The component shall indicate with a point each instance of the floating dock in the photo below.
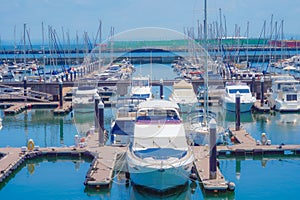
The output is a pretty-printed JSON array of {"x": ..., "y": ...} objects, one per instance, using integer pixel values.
[
  {"x": 16, "y": 107},
  {"x": 107, "y": 158},
  {"x": 247, "y": 145},
  {"x": 261, "y": 108},
  {"x": 61, "y": 110},
  {"x": 201, "y": 164}
]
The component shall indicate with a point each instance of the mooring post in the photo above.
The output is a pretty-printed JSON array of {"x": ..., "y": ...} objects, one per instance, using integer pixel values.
[
  {"x": 213, "y": 149},
  {"x": 237, "y": 111},
  {"x": 67, "y": 76},
  {"x": 60, "y": 94},
  {"x": 101, "y": 123},
  {"x": 71, "y": 76},
  {"x": 161, "y": 88},
  {"x": 75, "y": 71},
  {"x": 262, "y": 91},
  {"x": 253, "y": 85},
  {"x": 97, "y": 99}
]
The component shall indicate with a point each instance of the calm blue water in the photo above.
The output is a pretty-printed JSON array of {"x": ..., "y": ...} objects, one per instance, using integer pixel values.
[{"x": 267, "y": 178}]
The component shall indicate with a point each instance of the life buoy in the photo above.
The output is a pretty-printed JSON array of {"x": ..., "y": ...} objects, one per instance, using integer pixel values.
[{"x": 30, "y": 145}]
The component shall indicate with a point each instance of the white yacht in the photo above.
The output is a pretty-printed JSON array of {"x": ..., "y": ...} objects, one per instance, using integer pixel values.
[
  {"x": 140, "y": 87},
  {"x": 122, "y": 124},
  {"x": 246, "y": 98},
  {"x": 83, "y": 105},
  {"x": 83, "y": 98},
  {"x": 284, "y": 95},
  {"x": 159, "y": 157},
  {"x": 183, "y": 94}
]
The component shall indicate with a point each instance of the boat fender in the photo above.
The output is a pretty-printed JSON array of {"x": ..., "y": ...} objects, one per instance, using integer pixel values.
[
  {"x": 264, "y": 139},
  {"x": 231, "y": 186},
  {"x": 82, "y": 139},
  {"x": 232, "y": 139},
  {"x": 193, "y": 176},
  {"x": 30, "y": 145}
]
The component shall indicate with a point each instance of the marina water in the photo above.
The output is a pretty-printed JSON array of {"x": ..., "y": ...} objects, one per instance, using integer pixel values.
[{"x": 259, "y": 178}]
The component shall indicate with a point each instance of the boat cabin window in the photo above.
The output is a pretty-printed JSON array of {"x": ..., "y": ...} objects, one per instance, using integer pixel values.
[
  {"x": 140, "y": 83},
  {"x": 141, "y": 96},
  {"x": 241, "y": 91},
  {"x": 153, "y": 114},
  {"x": 291, "y": 97}
]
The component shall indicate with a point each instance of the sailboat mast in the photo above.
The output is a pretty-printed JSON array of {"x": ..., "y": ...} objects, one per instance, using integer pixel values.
[
  {"x": 43, "y": 44},
  {"x": 205, "y": 60},
  {"x": 15, "y": 46},
  {"x": 24, "y": 38}
]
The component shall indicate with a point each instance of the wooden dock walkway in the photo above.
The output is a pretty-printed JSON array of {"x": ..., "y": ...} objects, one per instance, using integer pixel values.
[
  {"x": 201, "y": 163},
  {"x": 247, "y": 145},
  {"x": 107, "y": 158},
  {"x": 66, "y": 108},
  {"x": 261, "y": 108},
  {"x": 101, "y": 172},
  {"x": 10, "y": 161},
  {"x": 16, "y": 108}
]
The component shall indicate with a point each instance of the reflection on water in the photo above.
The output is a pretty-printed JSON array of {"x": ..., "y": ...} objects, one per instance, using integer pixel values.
[
  {"x": 245, "y": 117},
  {"x": 83, "y": 121},
  {"x": 262, "y": 178},
  {"x": 179, "y": 193},
  {"x": 42, "y": 178},
  {"x": 40, "y": 125}
]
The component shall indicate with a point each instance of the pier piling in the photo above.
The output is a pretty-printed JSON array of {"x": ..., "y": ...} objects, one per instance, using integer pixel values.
[
  {"x": 253, "y": 85},
  {"x": 237, "y": 111},
  {"x": 213, "y": 149},
  {"x": 101, "y": 123},
  {"x": 161, "y": 88},
  {"x": 25, "y": 87},
  {"x": 262, "y": 91},
  {"x": 60, "y": 94},
  {"x": 97, "y": 99}
]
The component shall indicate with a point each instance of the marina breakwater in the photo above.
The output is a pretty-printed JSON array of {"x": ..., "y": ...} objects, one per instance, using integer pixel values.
[{"x": 143, "y": 56}]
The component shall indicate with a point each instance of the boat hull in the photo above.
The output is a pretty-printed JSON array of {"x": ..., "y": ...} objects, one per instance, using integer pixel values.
[
  {"x": 159, "y": 175},
  {"x": 231, "y": 106},
  {"x": 287, "y": 106}
]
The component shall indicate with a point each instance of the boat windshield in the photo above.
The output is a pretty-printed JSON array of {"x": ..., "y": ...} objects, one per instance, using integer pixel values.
[
  {"x": 140, "y": 83},
  {"x": 241, "y": 91},
  {"x": 141, "y": 96},
  {"x": 157, "y": 114}
]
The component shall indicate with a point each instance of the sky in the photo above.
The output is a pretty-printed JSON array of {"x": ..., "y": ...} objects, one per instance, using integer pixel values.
[{"x": 78, "y": 16}]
